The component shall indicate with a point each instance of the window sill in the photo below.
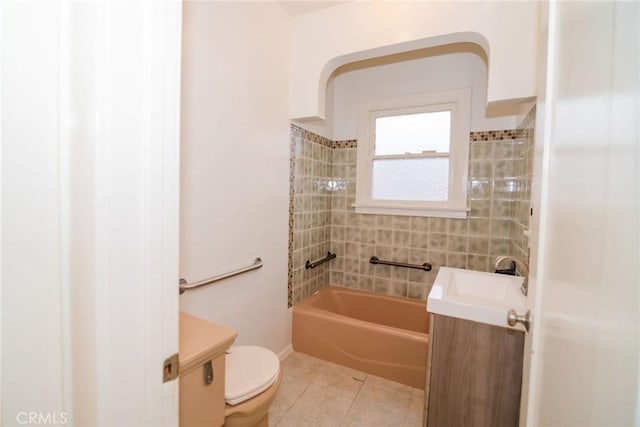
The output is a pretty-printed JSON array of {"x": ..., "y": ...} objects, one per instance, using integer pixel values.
[{"x": 411, "y": 211}]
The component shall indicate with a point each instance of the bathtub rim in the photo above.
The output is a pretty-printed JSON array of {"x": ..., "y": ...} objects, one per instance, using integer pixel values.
[{"x": 305, "y": 307}]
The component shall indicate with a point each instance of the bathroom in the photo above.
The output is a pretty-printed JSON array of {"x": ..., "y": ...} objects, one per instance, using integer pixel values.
[
  {"x": 258, "y": 98},
  {"x": 257, "y": 81},
  {"x": 213, "y": 222}
]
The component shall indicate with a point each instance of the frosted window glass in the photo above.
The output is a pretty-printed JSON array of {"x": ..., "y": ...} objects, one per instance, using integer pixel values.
[
  {"x": 425, "y": 179},
  {"x": 413, "y": 133}
]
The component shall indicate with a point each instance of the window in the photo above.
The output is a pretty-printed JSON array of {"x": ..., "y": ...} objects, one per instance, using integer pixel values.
[{"x": 413, "y": 155}]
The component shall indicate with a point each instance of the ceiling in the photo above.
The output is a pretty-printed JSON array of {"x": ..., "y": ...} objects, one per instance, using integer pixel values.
[{"x": 295, "y": 8}]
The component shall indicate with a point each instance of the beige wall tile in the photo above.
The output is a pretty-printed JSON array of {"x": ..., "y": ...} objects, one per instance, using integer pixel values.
[{"x": 323, "y": 192}]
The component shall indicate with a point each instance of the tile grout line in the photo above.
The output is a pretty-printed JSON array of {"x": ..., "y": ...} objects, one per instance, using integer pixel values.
[
  {"x": 294, "y": 402},
  {"x": 403, "y": 417},
  {"x": 352, "y": 401}
]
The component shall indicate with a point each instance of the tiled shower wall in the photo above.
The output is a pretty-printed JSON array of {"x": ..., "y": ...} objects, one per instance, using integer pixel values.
[
  {"x": 309, "y": 211},
  {"x": 523, "y": 170},
  {"x": 321, "y": 210}
]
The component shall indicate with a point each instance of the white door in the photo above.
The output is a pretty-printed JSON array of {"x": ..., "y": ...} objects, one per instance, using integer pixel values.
[
  {"x": 89, "y": 138},
  {"x": 584, "y": 365}
]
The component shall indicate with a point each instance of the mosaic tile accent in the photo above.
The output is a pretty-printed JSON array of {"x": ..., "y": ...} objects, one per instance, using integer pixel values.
[
  {"x": 347, "y": 143},
  {"x": 291, "y": 217},
  {"x": 297, "y": 131},
  {"x": 322, "y": 180},
  {"x": 495, "y": 135}
]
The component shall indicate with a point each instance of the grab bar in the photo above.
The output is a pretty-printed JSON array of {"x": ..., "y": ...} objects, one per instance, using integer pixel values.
[
  {"x": 184, "y": 286},
  {"x": 426, "y": 266},
  {"x": 314, "y": 264}
]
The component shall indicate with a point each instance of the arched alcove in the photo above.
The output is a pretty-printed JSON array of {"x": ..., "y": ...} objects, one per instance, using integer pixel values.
[
  {"x": 326, "y": 40},
  {"x": 405, "y": 72},
  {"x": 422, "y": 48}
]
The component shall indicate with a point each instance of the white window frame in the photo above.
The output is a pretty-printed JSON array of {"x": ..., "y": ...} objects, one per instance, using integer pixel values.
[{"x": 458, "y": 102}]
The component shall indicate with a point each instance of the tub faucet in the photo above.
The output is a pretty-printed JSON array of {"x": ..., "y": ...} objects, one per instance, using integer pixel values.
[{"x": 521, "y": 266}]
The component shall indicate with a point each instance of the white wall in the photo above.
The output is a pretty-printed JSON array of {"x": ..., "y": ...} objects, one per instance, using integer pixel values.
[
  {"x": 235, "y": 166},
  {"x": 331, "y": 37},
  {"x": 431, "y": 74}
]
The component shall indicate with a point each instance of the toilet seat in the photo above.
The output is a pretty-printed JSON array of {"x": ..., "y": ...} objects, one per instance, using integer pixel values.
[{"x": 249, "y": 371}]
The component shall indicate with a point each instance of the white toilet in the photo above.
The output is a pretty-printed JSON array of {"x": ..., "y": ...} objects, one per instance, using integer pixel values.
[{"x": 252, "y": 379}]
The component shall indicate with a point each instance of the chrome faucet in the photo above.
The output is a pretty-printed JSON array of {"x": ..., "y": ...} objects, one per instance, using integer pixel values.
[{"x": 521, "y": 266}]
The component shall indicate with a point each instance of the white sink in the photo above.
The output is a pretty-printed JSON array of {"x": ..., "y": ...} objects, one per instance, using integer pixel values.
[{"x": 476, "y": 296}]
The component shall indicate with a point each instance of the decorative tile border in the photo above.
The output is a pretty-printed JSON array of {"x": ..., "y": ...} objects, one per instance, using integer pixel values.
[
  {"x": 495, "y": 135},
  {"x": 491, "y": 135},
  {"x": 347, "y": 143},
  {"x": 292, "y": 163},
  {"x": 297, "y": 131}
]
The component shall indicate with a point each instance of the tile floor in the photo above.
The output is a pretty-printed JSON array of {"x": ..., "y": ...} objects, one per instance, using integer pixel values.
[{"x": 319, "y": 393}]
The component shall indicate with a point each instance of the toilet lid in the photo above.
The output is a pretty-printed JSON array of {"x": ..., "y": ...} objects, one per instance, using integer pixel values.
[{"x": 249, "y": 371}]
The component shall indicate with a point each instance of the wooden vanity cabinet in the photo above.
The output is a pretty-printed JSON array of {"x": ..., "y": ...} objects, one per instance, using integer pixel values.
[{"x": 475, "y": 374}]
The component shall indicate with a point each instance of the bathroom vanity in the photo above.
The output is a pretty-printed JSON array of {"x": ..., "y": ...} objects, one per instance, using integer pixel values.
[
  {"x": 202, "y": 354},
  {"x": 475, "y": 357}
]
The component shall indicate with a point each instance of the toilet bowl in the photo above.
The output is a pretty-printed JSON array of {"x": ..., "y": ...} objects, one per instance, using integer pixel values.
[{"x": 252, "y": 379}]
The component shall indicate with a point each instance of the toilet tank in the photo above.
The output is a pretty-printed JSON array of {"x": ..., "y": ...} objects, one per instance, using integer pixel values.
[{"x": 202, "y": 367}]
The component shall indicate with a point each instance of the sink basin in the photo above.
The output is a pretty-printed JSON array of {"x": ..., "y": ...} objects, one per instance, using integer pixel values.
[{"x": 476, "y": 296}]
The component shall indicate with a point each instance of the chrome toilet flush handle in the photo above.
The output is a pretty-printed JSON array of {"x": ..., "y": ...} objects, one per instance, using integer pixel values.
[
  {"x": 513, "y": 318},
  {"x": 207, "y": 373}
]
